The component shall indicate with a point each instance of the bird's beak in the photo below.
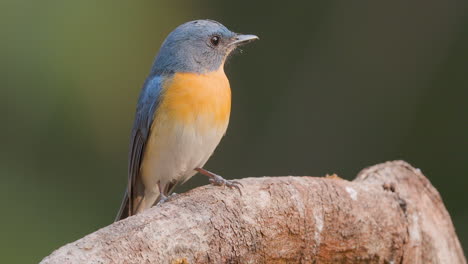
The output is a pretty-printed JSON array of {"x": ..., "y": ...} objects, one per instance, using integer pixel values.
[{"x": 240, "y": 39}]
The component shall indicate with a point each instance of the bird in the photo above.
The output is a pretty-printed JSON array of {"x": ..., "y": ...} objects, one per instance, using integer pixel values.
[{"x": 182, "y": 113}]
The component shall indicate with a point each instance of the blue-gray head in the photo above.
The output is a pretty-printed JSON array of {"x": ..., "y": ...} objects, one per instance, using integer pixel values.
[{"x": 198, "y": 46}]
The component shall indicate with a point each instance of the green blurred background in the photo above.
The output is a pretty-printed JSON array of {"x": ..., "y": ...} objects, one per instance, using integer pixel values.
[{"x": 332, "y": 87}]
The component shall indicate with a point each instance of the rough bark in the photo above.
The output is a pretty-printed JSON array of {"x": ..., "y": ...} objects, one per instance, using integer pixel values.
[{"x": 389, "y": 214}]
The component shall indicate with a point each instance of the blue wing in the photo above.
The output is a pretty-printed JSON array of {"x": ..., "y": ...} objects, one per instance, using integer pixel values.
[{"x": 147, "y": 105}]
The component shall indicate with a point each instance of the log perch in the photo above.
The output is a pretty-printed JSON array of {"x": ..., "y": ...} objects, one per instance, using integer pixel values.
[{"x": 389, "y": 214}]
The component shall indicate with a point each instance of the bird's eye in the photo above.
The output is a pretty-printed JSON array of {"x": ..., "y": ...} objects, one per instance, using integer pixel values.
[{"x": 215, "y": 40}]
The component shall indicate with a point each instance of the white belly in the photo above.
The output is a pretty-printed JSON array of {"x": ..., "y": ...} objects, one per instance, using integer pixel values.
[{"x": 175, "y": 149}]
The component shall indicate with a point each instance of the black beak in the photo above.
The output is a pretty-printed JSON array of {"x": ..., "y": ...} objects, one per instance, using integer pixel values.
[{"x": 240, "y": 39}]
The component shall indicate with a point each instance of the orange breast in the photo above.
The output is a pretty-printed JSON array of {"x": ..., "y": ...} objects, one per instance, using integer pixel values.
[{"x": 191, "y": 97}]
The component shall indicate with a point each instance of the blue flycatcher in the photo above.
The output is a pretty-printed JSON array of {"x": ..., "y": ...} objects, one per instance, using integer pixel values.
[{"x": 182, "y": 113}]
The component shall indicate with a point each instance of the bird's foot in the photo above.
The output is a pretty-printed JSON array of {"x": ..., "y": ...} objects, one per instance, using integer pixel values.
[
  {"x": 217, "y": 180},
  {"x": 165, "y": 198},
  {"x": 220, "y": 181}
]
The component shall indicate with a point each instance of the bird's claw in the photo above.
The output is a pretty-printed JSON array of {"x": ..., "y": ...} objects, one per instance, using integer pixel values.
[
  {"x": 164, "y": 198},
  {"x": 220, "y": 181}
]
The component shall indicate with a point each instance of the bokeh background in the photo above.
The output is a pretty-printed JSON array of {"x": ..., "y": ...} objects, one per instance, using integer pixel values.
[{"x": 332, "y": 87}]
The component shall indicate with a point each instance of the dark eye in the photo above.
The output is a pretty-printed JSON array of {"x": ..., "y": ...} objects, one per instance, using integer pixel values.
[{"x": 215, "y": 40}]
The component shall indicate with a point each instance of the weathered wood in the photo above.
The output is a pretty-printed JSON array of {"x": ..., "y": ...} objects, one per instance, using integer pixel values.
[{"x": 389, "y": 214}]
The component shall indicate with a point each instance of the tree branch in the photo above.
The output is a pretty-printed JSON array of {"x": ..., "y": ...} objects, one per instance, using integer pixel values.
[{"x": 389, "y": 214}]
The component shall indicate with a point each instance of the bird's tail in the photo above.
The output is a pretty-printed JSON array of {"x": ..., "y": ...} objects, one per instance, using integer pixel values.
[{"x": 124, "y": 208}]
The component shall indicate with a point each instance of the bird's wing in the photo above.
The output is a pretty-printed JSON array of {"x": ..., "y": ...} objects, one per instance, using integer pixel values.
[{"x": 147, "y": 105}]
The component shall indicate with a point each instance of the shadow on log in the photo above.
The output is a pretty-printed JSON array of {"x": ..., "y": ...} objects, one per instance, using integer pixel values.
[{"x": 389, "y": 214}]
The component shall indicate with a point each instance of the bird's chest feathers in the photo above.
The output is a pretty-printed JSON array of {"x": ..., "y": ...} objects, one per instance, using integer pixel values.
[{"x": 197, "y": 99}]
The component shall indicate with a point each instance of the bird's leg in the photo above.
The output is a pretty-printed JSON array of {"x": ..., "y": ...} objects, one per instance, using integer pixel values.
[
  {"x": 217, "y": 180},
  {"x": 161, "y": 194},
  {"x": 163, "y": 198}
]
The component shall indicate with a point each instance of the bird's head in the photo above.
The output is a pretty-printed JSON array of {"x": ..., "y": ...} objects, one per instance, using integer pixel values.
[{"x": 198, "y": 46}]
